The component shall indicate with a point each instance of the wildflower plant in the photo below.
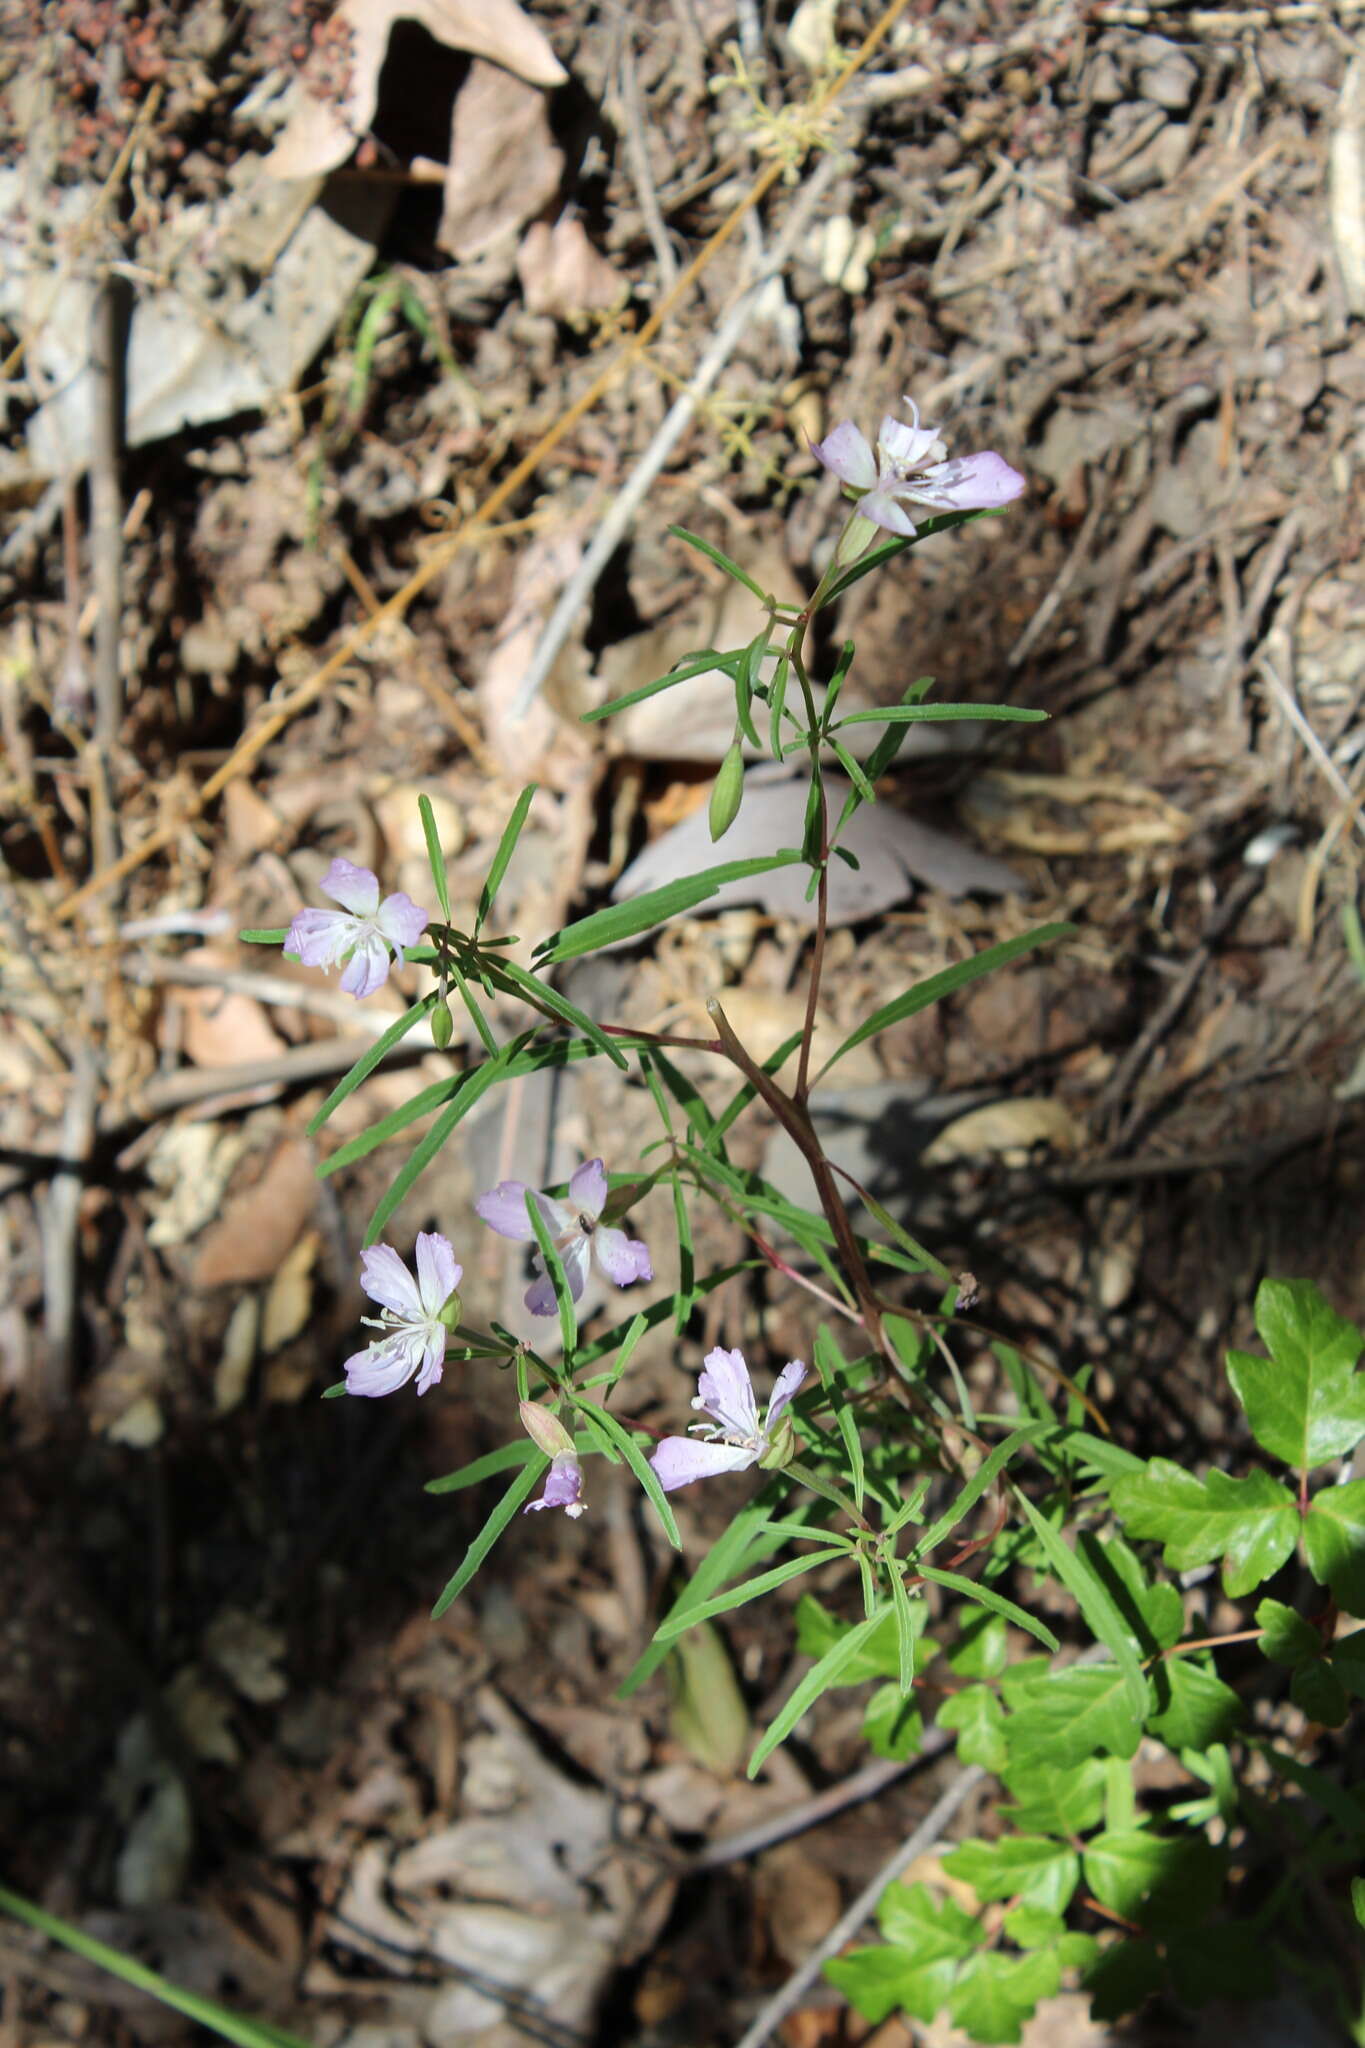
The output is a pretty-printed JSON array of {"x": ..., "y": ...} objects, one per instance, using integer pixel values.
[{"x": 956, "y": 1548}]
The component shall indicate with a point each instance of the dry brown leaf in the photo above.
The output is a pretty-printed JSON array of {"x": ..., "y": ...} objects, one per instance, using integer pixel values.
[
  {"x": 504, "y": 165},
  {"x": 223, "y": 1028},
  {"x": 1006, "y": 1130},
  {"x": 890, "y": 848},
  {"x": 290, "y": 1295},
  {"x": 562, "y": 274},
  {"x": 258, "y": 1226},
  {"x": 324, "y": 127}
]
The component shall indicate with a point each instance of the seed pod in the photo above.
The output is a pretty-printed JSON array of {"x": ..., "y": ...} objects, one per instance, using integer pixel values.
[{"x": 727, "y": 793}]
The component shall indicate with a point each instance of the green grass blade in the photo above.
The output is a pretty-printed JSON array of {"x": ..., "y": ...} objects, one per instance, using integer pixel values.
[
  {"x": 487, "y": 1467},
  {"x": 816, "y": 1681},
  {"x": 936, "y": 986},
  {"x": 231, "y": 2026},
  {"x": 519, "y": 1491},
  {"x": 601, "y": 1421},
  {"x": 435, "y": 856},
  {"x": 639, "y": 914},
  {"x": 371, "y": 1057},
  {"x": 506, "y": 847},
  {"x": 986, "y": 1596},
  {"x": 749, "y": 1589},
  {"x": 698, "y": 665}
]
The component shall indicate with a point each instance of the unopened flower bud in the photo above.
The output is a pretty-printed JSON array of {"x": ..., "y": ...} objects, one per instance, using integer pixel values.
[
  {"x": 546, "y": 1431},
  {"x": 442, "y": 1026},
  {"x": 781, "y": 1447},
  {"x": 727, "y": 793}
]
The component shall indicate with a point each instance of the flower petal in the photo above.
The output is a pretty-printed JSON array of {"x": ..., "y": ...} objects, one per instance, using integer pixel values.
[
  {"x": 788, "y": 1386},
  {"x": 540, "y": 1295},
  {"x": 356, "y": 889},
  {"x": 905, "y": 447},
  {"x": 320, "y": 938},
  {"x": 433, "y": 1361},
  {"x": 845, "y": 451},
  {"x": 576, "y": 1256},
  {"x": 503, "y": 1209},
  {"x": 972, "y": 484},
  {"x": 678, "y": 1460},
  {"x": 387, "y": 1280},
  {"x": 726, "y": 1392},
  {"x": 621, "y": 1258},
  {"x": 884, "y": 509},
  {"x": 588, "y": 1190},
  {"x": 368, "y": 967},
  {"x": 563, "y": 1488},
  {"x": 438, "y": 1274},
  {"x": 401, "y": 920},
  {"x": 384, "y": 1367}
]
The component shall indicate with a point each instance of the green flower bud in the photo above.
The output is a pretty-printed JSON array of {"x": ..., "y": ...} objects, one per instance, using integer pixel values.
[
  {"x": 449, "y": 1312},
  {"x": 442, "y": 1026},
  {"x": 728, "y": 792},
  {"x": 781, "y": 1447}
]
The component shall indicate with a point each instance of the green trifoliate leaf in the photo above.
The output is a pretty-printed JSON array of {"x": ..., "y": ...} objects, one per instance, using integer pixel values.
[
  {"x": 1160, "y": 1882},
  {"x": 1034, "y": 1927},
  {"x": 817, "y": 1631},
  {"x": 879, "y": 1981},
  {"x": 1334, "y": 1543},
  {"x": 1306, "y": 1402},
  {"x": 982, "y": 1649},
  {"x": 1286, "y": 1638},
  {"x": 1196, "y": 1707},
  {"x": 1030, "y": 1868},
  {"x": 930, "y": 1924},
  {"x": 1251, "y": 1523},
  {"x": 1348, "y": 1661},
  {"x": 1048, "y": 1801},
  {"x": 1220, "y": 1961},
  {"x": 1317, "y": 1692},
  {"x": 892, "y": 1725},
  {"x": 1123, "y": 1977},
  {"x": 1072, "y": 1714},
  {"x": 979, "y": 1719},
  {"x": 995, "y": 1994}
]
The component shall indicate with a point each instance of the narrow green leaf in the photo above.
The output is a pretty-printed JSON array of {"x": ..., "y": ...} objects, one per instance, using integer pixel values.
[
  {"x": 231, "y": 2026},
  {"x": 861, "y": 786},
  {"x": 938, "y": 714},
  {"x": 748, "y": 1589},
  {"x": 777, "y": 704},
  {"x": 475, "y": 1009},
  {"x": 276, "y": 937},
  {"x": 832, "y": 1367},
  {"x": 746, "y": 675},
  {"x": 507, "y": 974},
  {"x": 554, "y": 1267},
  {"x": 986, "y": 1596},
  {"x": 985, "y": 1476},
  {"x": 909, "y": 1622},
  {"x": 685, "y": 1300},
  {"x": 696, "y": 665},
  {"x": 522, "y": 1487},
  {"x": 641, "y": 913},
  {"x": 473, "y": 1086},
  {"x": 434, "y": 855},
  {"x": 817, "y": 1681},
  {"x": 501, "y": 1460},
  {"x": 506, "y": 847},
  {"x": 722, "y": 1560},
  {"x": 620, "y": 1438},
  {"x": 371, "y": 1058},
  {"x": 721, "y": 560},
  {"x": 946, "y": 983},
  {"x": 1095, "y": 1602}
]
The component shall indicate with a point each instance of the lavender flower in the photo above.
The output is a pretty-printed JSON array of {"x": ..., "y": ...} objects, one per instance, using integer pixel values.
[
  {"x": 726, "y": 1393},
  {"x": 909, "y": 467},
  {"x": 362, "y": 933},
  {"x": 564, "y": 1480},
  {"x": 416, "y": 1317},
  {"x": 578, "y": 1234}
]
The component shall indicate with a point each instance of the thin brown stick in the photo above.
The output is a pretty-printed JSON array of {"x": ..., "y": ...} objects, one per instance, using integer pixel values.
[{"x": 106, "y": 551}]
